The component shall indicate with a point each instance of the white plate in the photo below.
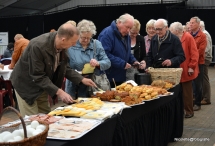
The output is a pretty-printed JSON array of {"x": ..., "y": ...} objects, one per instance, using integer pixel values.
[
  {"x": 138, "y": 103},
  {"x": 95, "y": 122},
  {"x": 152, "y": 99},
  {"x": 170, "y": 93}
]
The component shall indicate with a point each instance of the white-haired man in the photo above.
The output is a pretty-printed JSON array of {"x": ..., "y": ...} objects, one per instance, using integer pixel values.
[
  {"x": 206, "y": 90},
  {"x": 117, "y": 44},
  {"x": 190, "y": 66},
  {"x": 201, "y": 44},
  {"x": 165, "y": 48}
]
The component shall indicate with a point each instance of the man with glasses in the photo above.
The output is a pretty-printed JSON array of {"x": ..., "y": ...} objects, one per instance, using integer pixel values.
[
  {"x": 165, "y": 48},
  {"x": 117, "y": 44}
]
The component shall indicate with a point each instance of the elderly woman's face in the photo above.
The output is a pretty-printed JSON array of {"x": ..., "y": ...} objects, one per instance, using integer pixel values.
[
  {"x": 151, "y": 31},
  {"x": 133, "y": 33},
  {"x": 85, "y": 38}
]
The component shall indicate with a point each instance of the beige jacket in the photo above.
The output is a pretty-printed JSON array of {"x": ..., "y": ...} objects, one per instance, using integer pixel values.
[{"x": 208, "y": 50}]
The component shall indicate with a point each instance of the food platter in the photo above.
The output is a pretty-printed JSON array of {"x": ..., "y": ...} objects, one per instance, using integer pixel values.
[{"x": 73, "y": 132}]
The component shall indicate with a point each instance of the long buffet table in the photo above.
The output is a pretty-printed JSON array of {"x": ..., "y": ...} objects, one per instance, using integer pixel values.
[{"x": 154, "y": 123}]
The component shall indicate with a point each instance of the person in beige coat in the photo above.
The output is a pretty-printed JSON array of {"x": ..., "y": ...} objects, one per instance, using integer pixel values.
[{"x": 206, "y": 90}]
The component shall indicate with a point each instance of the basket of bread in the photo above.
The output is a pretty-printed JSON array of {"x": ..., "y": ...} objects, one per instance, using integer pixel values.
[
  {"x": 25, "y": 134},
  {"x": 171, "y": 75}
]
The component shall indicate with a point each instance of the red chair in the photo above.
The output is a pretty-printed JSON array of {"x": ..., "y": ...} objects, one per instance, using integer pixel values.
[
  {"x": 56, "y": 99},
  {"x": 7, "y": 90},
  {"x": 2, "y": 95},
  {"x": 51, "y": 102},
  {"x": 8, "y": 87}
]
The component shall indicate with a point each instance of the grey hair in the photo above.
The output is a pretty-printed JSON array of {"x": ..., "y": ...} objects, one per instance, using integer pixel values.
[
  {"x": 202, "y": 24},
  {"x": 165, "y": 22},
  {"x": 197, "y": 19},
  {"x": 177, "y": 26},
  {"x": 151, "y": 22},
  {"x": 124, "y": 18},
  {"x": 187, "y": 22},
  {"x": 183, "y": 26},
  {"x": 86, "y": 26}
]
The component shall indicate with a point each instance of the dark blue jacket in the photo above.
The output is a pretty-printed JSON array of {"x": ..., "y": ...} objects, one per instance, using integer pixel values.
[
  {"x": 170, "y": 48},
  {"x": 118, "y": 51}
]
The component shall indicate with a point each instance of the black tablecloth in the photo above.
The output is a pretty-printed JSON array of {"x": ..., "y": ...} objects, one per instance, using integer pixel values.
[
  {"x": 99, "y": 136},
  {"x": 154, "y": 123}
]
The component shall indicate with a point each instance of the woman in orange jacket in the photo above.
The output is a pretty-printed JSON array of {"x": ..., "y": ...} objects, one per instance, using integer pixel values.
[{"x": 190, "y": 66}]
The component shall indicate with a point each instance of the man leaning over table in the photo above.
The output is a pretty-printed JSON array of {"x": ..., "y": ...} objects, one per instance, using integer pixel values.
[
  {"x": 42, "y": 68},
  {"x": 19, "y": 46},
  {"x": 117, "y": 45}
]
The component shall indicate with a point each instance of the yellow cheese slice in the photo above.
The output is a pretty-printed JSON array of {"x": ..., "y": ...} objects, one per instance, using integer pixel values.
[{"x": 88, "y": 69}]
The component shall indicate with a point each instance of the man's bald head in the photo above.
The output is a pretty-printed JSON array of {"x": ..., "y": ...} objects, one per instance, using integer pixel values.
[{"x": 67, "y": 30}]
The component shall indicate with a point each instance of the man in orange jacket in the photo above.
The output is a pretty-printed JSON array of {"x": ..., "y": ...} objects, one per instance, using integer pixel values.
[
  {"x": 19, "y": 46},
  {"x": 201, "y": 43}
]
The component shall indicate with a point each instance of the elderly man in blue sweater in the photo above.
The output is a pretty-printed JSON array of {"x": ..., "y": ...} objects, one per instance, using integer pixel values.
[{"x": 117, "y": 44}]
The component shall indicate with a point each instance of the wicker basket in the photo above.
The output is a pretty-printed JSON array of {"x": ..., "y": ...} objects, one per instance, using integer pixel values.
[
  {"x": 167, "y": 74},
  {"x": 37, "y": 140}
]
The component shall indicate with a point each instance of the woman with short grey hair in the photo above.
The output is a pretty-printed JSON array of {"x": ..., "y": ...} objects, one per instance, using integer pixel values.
[
  {"x": 150, "y": 30},
  {"x": 87, "y": 26},
  {"x": 83, "y": 53}
]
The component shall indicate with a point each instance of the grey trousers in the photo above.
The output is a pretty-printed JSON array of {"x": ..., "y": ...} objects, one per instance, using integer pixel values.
[
  {"x": 198, "y": 82},
  {"x": 206, "y": 90}
]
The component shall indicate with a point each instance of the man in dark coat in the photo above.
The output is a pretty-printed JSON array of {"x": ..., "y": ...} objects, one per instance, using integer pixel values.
[
  {"x": 41, "y": 70},
  {"x": 165, "y": 48}
]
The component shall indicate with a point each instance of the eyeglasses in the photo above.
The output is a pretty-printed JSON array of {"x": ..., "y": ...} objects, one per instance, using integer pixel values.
[
  {"x": 159, "y": 29},
  {"x": 85, "y": 38}
]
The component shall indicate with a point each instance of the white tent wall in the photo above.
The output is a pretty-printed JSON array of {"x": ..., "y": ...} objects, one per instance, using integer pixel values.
[
  {"x": 3, "y": 42},
  {"x": 201, "y": 3},
  {"x": 2, "y": 48},
  {"x": 75, "y": 3}
]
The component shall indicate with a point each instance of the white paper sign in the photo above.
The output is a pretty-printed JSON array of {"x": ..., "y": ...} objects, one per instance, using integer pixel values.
[{"x": 3, "y": 38}]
